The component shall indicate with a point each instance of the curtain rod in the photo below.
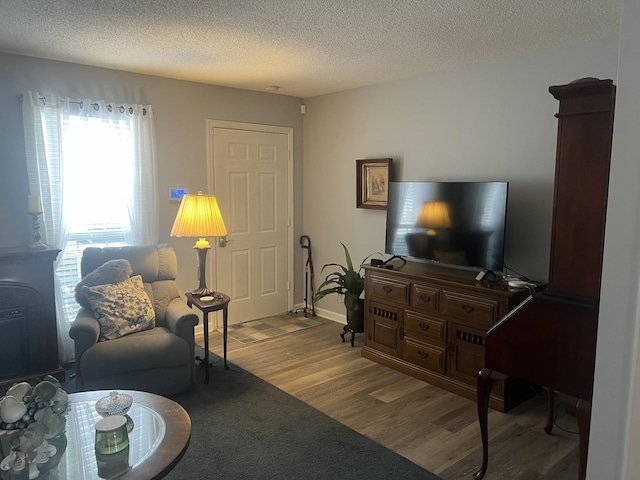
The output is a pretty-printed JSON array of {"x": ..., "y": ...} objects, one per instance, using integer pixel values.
[{"x": 96, "y": 106}]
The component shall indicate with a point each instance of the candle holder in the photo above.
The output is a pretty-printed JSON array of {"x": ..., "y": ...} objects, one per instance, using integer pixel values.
[{"x": 35, "y": 224}]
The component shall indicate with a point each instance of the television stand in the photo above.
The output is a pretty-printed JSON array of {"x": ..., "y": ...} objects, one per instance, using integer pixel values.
[{"x": 430, "y": 322}]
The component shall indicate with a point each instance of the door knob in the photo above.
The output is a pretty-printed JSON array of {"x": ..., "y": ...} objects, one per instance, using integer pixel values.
[{"x": 222, "y": 241}]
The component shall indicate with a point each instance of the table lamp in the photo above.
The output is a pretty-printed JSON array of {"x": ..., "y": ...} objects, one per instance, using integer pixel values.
[{"x": 199, "y": 216}]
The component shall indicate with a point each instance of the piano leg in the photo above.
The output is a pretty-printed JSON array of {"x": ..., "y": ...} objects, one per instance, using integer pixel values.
[
  {"x": 486, "y": 379},
  {"x": 550, "y": 397}
]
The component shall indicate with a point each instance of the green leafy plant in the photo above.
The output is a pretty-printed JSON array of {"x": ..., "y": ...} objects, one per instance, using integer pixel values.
[{"x": 343, "y": 281}]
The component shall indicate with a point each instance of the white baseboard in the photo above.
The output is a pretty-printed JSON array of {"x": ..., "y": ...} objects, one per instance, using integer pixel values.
[{"x": 328, "y": 314}]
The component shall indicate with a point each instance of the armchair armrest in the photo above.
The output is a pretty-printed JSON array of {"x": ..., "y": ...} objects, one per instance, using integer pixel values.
[
  {"x": 181, "y": 320},
  {"x": 85, "y": 331}
]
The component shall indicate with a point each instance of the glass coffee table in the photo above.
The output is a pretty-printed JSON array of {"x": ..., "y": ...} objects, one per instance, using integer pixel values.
[{"x": 159, "y": 433}]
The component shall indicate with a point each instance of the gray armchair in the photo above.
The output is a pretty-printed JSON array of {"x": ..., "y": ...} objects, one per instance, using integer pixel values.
[{"x": 158, "y": 360}]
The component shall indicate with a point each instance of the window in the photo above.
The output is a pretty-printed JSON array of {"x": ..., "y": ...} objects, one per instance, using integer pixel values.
[
  {"x": 97, "y": 172},
  {"x": 93, "y": 165}
]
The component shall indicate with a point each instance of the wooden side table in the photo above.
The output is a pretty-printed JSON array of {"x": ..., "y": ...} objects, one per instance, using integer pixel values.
[{"x": 219, "y": 302}]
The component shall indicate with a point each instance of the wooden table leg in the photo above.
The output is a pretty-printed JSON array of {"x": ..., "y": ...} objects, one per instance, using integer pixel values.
[
  {"x": 486, "y": 379},
  {"x": 550, "y": 401},
  {"x": 583, "y": 415},
  {"x": 582, "y": 408},
  {"x": 205, "y": 318},
  {"x": 225, "y": 325},
  {"x": 482, "y": 391}
]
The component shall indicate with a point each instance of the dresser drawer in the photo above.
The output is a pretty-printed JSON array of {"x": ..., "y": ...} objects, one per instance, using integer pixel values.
[
  {"x": 425, "y": 298},
  {"x": 427, "y": 356},
  {"x": 422, "y": 327},
  {"x": 388, "y": 290},
  {"x": 481, "y": 312}
]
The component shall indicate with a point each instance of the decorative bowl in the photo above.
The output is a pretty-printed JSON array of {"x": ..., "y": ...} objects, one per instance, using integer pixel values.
[{"x": 114, "y": 404}]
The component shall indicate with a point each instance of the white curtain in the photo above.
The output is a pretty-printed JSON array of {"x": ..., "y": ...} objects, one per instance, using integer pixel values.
[{"x": 49, "y": 123}]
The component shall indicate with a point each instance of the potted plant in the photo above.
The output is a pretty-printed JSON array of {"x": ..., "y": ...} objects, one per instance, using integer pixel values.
[{"x": 344, "y": 280}]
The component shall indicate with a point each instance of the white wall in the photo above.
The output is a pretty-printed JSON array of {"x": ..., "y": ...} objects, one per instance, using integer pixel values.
[
  {"x": 615, "y": 408},
  {"x": 490, "y": 121}
]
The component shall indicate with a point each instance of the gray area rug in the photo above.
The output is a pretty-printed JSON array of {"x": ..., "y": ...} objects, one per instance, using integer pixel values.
[{"x": 245, "y": 428}]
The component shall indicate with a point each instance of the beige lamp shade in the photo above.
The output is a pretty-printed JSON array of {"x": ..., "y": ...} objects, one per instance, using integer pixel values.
[
  {"x": 198, "y": 216},
  {"x": 434, "y": 216}
]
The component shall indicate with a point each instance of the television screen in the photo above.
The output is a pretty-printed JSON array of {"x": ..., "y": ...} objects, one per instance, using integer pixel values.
[{"x": 456, "y": 223}]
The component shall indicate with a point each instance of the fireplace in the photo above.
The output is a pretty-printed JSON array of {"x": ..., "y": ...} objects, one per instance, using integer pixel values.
[
  {"x": 28, "y": 334},
  {"x": 14, "y": 348}
]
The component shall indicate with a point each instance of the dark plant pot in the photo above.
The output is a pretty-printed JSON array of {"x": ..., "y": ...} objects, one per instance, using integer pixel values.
[{"x": 355, "y": 317}]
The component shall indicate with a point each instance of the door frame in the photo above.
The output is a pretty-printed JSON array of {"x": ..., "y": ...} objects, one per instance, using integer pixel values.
[{"x": 255, "y": 127}]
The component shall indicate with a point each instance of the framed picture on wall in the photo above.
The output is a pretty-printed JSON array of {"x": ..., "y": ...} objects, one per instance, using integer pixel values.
[{"x": 372, "y": 182}]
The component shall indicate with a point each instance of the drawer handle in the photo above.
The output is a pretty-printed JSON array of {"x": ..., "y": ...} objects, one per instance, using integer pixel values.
[
  {"x": 423, "y": 326},
  {"x": 425, "y": 298},
  {"x": 423, "y": 354},
  {"x": 467, "y": 308},
  {"x": 387, "y": 289}
]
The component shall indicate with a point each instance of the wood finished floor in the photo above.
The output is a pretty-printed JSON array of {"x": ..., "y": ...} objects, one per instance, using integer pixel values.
[{"x": 430, "y": 426}]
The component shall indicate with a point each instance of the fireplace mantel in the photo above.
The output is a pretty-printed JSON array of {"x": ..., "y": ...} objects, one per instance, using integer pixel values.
[{"x": 28, "y": 331}]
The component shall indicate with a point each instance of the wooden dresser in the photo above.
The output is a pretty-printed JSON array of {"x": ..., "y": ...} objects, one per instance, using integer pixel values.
[{"x": 431, "y": 321}]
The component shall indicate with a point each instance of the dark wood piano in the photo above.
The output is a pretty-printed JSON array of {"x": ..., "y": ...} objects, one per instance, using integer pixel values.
[{"x": 550, "y": 339}]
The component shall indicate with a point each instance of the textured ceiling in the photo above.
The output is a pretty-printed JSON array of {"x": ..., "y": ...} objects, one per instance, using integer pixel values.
[{"x": 306, "y": 47}]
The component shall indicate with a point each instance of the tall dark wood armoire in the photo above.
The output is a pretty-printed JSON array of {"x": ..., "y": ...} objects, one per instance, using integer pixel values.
[{"x": 550, "y": 339}]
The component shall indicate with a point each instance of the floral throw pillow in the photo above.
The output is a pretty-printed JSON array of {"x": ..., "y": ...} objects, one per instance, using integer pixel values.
[{"x": 121, "y": 308}]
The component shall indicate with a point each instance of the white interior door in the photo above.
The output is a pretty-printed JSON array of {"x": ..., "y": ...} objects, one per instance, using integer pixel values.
[{"x": 252, "y": 181}]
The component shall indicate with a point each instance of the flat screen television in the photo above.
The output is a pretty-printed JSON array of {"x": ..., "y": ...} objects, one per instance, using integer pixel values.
[{"x": 454, "y": 223}]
